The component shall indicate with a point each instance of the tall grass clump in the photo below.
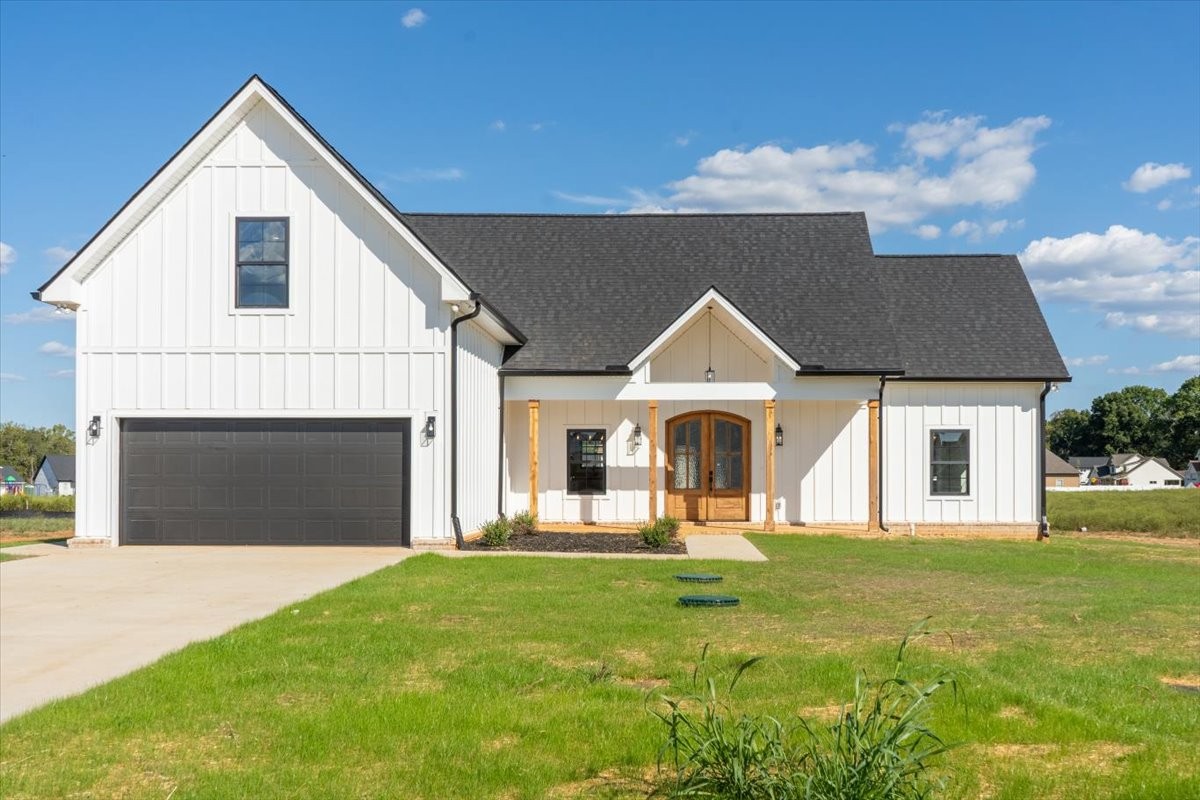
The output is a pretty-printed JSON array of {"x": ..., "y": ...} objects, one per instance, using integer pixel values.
[
  {"x": 31, "y": 502},
  {"x": 880, "y": 748},
  {"x": 658, "y": 533}
]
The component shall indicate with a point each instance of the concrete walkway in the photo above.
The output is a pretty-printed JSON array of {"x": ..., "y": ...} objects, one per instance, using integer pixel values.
[
  {"x": 722, "y": 548},
  {"x": 72, "y": 619}
]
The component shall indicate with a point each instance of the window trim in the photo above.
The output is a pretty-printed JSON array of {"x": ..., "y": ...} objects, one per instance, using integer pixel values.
[
  {"x": 567, "y": 462},
  {"x": 235, "y": 284},
  {"x": 972, "y": 461}
]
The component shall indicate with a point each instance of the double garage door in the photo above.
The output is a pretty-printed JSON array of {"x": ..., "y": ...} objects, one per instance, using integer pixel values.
[{"x": 265, "y": 481}]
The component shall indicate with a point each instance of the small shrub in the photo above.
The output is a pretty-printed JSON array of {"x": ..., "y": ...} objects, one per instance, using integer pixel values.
[
  {"x": 524, "y": 523},
  {"x": 496, "y": 532},
  {"x": 659, "y": 532},
  {"x": 880, "y": 748},
  {"x": 670, "y": 523}
]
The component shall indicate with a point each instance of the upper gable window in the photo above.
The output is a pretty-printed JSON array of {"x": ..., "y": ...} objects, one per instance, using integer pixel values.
[{"x": 262, "y": 262}]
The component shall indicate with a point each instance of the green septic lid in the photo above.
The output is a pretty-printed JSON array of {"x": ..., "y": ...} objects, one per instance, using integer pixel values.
[
  {"x": 708, "y": 600},
  {"x": 698, "y": 577}
]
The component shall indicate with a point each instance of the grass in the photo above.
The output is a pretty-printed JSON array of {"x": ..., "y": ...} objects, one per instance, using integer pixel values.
[
  {"x": 512, "y": 677},
  {"x": 25, "y": 525},
  {"x": 1167, "y": 512}
]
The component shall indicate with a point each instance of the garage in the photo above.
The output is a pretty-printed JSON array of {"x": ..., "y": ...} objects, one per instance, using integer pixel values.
[{"x": 265, "y": 481}]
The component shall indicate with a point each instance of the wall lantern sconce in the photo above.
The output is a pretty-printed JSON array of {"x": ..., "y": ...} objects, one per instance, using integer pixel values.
[
  {"x": 637, "y": 435},
  {"x": 93, "y": 428},
  {"x": 430, "y": 427},
  {"x": 778, "y": 435},
  {"x": 710, "y": 375}
]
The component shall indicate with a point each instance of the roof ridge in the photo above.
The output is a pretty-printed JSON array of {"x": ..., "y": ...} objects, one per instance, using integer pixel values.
[
  {"x": 665, "y": 215},
  {"x": 944, "y": 255}
]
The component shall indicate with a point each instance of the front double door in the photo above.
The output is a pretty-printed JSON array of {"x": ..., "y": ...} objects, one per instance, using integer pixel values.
[{"x": 708, "y": 467}]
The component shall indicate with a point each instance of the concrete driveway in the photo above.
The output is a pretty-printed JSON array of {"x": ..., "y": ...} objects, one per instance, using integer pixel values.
[{"x": 72, "y": 619}]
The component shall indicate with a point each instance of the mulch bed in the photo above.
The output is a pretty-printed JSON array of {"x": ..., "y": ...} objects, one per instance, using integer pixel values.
[{"x": 582, "y": 543}]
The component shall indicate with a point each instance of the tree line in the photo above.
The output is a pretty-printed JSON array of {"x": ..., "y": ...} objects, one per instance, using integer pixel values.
[
  {"x": 22, "y": 447},
  {"x": 1136, "y": 419}
]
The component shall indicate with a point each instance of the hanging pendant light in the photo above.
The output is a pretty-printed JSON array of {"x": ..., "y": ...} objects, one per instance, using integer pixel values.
[{"x": 710, "y": 374}]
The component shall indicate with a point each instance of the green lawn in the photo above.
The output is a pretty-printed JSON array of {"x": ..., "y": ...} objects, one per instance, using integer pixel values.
[
  {"x": 483, "y": 677},
  {"x": 1170, "y": 512}
]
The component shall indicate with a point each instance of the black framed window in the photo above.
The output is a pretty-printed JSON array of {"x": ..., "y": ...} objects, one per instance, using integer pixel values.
[
  {"x": 262, "y": 262},
  {"x": 950, "y": 462},
  {"x": 586, "y": 473}
]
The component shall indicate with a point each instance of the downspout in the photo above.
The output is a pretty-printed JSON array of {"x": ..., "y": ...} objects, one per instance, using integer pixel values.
[
  {"x": 500, "y": 454},
  {"x": 882, "y": 525},
  {"x": 1044, "y": 521},
  {"x": 454, "y": 521}
]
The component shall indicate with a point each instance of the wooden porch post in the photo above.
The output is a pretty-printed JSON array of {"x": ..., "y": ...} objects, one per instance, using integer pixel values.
[
  {"x": 873, "y": 465},
  {"x": 769, "y": 425},
  {"x": 534, "y": 407},
  {"x": 653, "y": 423}
]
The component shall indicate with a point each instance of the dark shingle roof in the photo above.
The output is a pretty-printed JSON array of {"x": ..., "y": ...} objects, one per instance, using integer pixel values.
[
  {"x": 1056, "y": 466},
  {"x": 592, "y": 291},
  {"x": 968, "y": 316},
  {"x": 1088, "y": 462},
  {"x": 63, "y": 466},
  {"x": 589, "y": 292}
]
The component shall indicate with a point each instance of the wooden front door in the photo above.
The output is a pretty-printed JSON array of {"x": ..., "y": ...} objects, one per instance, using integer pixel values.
[{"x": 708, "y": 467}]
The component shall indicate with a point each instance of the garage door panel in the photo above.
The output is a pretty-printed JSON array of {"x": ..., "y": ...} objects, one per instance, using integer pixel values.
[{"x": 264, "y": 481}]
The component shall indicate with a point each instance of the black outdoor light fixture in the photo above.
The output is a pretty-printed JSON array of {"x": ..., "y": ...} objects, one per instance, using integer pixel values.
[
  {"x": 93, "y": 428},
  {"x": 430, "y": 427},
  {"x": 710, "y": 374},
  {"x": 778, "y": 435},
  {"x": 637, "y": 435}
]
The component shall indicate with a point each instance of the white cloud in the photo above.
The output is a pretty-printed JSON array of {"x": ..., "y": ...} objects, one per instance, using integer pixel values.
[
  {"x": 972, "y": 230},
  {"x": 537, "y": 126},
  {"x": 928, "y": 231},
  {"x": 1140, "y": 280},
  {"x": 589, "y": 199},
  {"x": 984, "y": 167},
  {"x": 11, "y": 377},
  {"x": 414, "y": 18},
  {"x": 1151, "y": 176},
  {"x": 59, "y": 255},
  {"x": 424, "y": 175},
  {"x": 1186, "y": 364},
  {"x": 38, "y": 313},
  {"x": 8, "y": 257},
  {"x": 55, "y": 348},
  {"x": 1179, "y": 324},
  {"x": 1086, "y": 361},
  {"x": 1164, "y": 205},
  {"x": 684, "y": 139},
  {"x": 975, "y": 231},
  {"x": 499, "y": 126},
  {"x": 63, "y": 373}
]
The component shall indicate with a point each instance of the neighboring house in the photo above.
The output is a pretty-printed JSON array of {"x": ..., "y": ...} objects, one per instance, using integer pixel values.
[
  {"x": 11, "y": 481},
  {"x": 1133, "y": 469},
  {"x": 1191, "y": 475},
  {"x": 55, "y": 475},
  {"x": 1089, "y": 468},
  {"x": 269, "y": 352},
  {"x": 1059, "y": 473}
]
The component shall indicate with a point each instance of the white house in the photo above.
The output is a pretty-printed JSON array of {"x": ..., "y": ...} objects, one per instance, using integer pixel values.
[
  {"x": 270, "y": 352},
  {"x": 1132, "y": 469},
  {"x": 55, "y": 475}
]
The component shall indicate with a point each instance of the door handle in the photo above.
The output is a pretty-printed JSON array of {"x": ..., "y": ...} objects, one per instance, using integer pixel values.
[{"x": 710, "y": 480}]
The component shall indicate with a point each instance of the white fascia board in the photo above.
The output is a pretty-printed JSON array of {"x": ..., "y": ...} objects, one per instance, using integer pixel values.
[
  {"x": 603, "y": 387},
  {"x": 712, "y": 296},
  {"x": 490, "y": 323}
]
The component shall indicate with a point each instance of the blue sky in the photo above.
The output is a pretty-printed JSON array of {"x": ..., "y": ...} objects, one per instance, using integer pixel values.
[{"x": 1068, "y": 133}]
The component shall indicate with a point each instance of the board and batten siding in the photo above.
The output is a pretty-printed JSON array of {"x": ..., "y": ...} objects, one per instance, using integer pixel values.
[
  {"x": 1003, "y": 421},
  {"x": 365, "y": 333},
  {"x": 479, "y": 358},
  {"x": 733, "y": 357},
  {"x": 821, "y": 471}
]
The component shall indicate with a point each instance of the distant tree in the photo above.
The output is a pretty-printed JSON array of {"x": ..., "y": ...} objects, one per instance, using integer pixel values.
[
  {"x": 22, "y": 447},
  {"x": 1184, "y": 411},
  {"x": 1069, "y": 433},
  {"x": 1132, "y": 420}
]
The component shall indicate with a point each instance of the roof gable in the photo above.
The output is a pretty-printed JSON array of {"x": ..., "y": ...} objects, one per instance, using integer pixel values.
[{"x": 62, "y": 288}]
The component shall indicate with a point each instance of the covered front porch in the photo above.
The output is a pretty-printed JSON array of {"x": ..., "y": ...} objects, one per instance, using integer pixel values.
[{"x": 711, "y": 460}]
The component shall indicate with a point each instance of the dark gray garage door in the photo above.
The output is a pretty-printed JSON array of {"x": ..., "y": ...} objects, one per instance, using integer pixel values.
[{"x": 264, "y": 481}]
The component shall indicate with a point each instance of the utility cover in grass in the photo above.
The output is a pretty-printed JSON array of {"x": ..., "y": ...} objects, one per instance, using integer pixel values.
[
  {"x": 708, "y": 600},
  {"x": 699, "y": 577}
]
